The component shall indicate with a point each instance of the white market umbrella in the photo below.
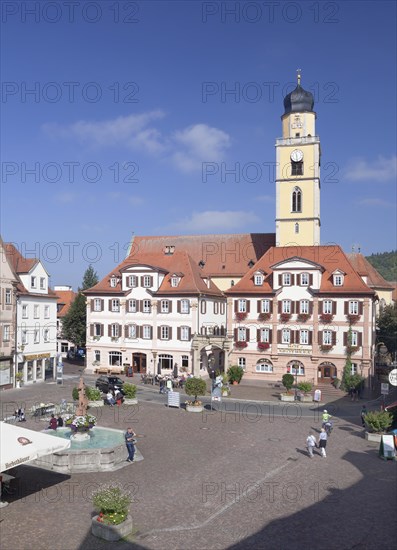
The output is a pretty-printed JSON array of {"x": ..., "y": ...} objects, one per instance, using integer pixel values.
[{"x": 19, "y": 445}]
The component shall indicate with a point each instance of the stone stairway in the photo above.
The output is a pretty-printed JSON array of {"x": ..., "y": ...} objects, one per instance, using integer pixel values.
[{"x": 330, "y": 393}]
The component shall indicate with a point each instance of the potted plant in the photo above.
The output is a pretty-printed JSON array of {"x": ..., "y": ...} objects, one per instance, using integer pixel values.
[
  {"x": 130, "y": 394},
  {"x": 288, "y": 381},
  {"x": 305, "y": 387},
  {"x": 264, "y": 316},
  {"x": 240, "y": 344},
  {"x": 285, "y": 317},
  {"x": 241, "y": 315},
  {"x": 80, "y": 424},
  {"x": 326, "y": 317},
  {"x": 336, "y": 382},
  {"x": 112, "y": 522},
  {"x": 263, "y": 346},
  {"x": 326, "y": 347},
  {"x": 377, "y": 424},
  {"x": 94, "y": 397},
  {"x": 303, "y": 317},
  {"x": 235, "y": 374},
  {"x": 195, "y": 386},
  {"x": 18, "y": 379},
  {"x": 352, "y": 318},
  {"x": 225, "y": 385}
]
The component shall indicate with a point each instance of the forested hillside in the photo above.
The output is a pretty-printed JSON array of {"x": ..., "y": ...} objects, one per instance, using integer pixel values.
[{"x": 385, "y": 263}]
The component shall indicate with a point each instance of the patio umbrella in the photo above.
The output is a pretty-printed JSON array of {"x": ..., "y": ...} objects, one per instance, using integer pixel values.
[{"x": 20, "y": 445}]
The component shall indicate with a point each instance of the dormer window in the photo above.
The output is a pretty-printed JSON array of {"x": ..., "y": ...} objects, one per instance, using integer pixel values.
[
  {"x": 287, "y": 279},
  {"x": 113, "y": 281},
  {"x": 258, "y": 279},
  {"x": 304, "y": 279},
  {"x": 174, "y": 281},
  {"x": 338, "y": 280},
  {"x": 251, "y": 263},
  {"x": 42, "y": 283},
  {"x": 33, "y": 282}
]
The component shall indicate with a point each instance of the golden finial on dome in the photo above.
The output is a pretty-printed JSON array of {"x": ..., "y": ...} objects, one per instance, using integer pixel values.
[{"x": 299, "y": 76}]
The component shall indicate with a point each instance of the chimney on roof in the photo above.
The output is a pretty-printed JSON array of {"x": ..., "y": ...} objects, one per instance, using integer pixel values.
[
  {"x": 201, "y": 264},
  {"x": 169, "y": 250}
]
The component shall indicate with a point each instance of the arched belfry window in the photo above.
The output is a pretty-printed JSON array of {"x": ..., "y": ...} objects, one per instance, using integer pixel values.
[
  {"x": 297, "y": 228},
  {"x": 296, "y": 200}
]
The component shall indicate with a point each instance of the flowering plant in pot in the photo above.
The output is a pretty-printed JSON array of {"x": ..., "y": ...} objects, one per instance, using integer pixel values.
[
  {"x": 81, "y": 423},
  {"x": 264, "y": 316},
  {"x": 353, "y": 318},
  {"x": 241, "y": 315},
  {"x": 303, "y": 317},
  {"x": 263, "y": 345},
  {"x": 326, "y": 347},
  {"x": 112, "y": 503},
  {"x": 284, "y": 317},
  {"x": 241, "y": 344},
  {"x": 326, "y": 317}
]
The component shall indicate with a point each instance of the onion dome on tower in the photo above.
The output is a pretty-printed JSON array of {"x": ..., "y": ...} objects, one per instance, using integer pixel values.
[{"x": 299, "y": 100}]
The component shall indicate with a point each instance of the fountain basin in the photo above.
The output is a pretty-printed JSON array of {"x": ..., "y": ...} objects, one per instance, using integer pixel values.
[{"x": 103, "y": 451}]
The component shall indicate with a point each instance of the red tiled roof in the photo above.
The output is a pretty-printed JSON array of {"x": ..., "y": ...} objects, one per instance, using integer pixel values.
[
  {"x": 65, "y": 298},
  {"x": 223, "y": 255},
  {"x": 329, "y": 258},
  {"x": 364, "y": 268},
  {"x": 17, "y": 261},
  {"x": 180, "y": 262}
]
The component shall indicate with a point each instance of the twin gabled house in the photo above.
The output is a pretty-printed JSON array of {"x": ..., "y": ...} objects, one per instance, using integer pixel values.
[
  {"x": 302, "y": 314},
  {"x": 155, "y": 312}
]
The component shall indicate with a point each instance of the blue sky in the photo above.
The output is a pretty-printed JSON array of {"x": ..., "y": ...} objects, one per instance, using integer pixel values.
[{"x": 129, "y": 104}]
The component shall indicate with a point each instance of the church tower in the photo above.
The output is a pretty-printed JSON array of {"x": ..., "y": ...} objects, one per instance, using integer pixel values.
[{"x": 298, "y": 172}]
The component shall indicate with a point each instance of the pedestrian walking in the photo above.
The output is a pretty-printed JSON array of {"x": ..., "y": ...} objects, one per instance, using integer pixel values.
[
  {"x": 129, "y": 441},
  {"x": 310, "y": 444},
  {"x": 362, "y": 414},
  {"x": 325, "y": 418},
  {"x": 322, "y": 442}
]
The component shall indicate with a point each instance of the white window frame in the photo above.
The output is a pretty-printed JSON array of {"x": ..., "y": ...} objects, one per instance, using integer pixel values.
[
  {"x": 304, "y": 307},
  {"x": 258, "y": 279},
  {"x": 6, "y": 333},
  {"x": 46, "y": 335},
  {"x": 146, "y": 332},
  {"x": 265, "y": 306},
  {"x": 42, "y": 283},
  {"x": 33, "y": 281},
  {"x": 184, "y": 331},
  {"x": 164, "y": 332},
  {"x": 304, "y": 337},
  {"x": 327, "y": 337},
  {"x": 97, "y": 329},
  {"x": 113, "y": 282},
  {"x": 46, "y": 312},
  {"x": 115, "y": 305},
  {"x": 132, "y": 281},
  {"x": 338, "y": 280},
  {"x": 132, "y": 306},
  {"x": 147, "y": 306},
  {"x": 353, "y": 307},
  {"x": 36, "y": 311},
  {"x": 263, "y": 367},
  {"x": 242, "y": 306},
  {"x": 114, "y": 330},
  {"x": 174, "y": 281},
  {"x": 354, "y": 338},
  {"x": 25, "y": 311},
  {"x": 185, "y": 306},
  {"x": 354, "y": 369},
  {"x": 97, "y": 304},
  {"x": 242, "y": 362},
  {"x": 304, "y": 282},
  {"x": 185, "y": 361},
  {"x": 164, "y": 306},
  {"x": 265, "y": 335},
  {"x": 147, "y": 283},
  {"x": 285, "y": 336},
  {"x": 37, "y": 336},
  {"x": 286, "y": 279},
  {"x": 327, "y": 307},
  {"x": 241, "y": 334},
  {"x": 97, "y": 355},
  {"x": 8, "y": 297},
  {"x": 300, "y": 372},
  {"x": 132, "y": 331},
  {"x": 286, "y": 307}
]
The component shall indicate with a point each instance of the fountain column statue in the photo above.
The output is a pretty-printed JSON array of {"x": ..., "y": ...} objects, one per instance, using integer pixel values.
[{"x": 83, "y": 400}]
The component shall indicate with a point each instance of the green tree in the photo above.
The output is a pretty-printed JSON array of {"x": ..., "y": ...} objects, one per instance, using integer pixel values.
[
  {"x": 385, "y": 263},
  {"x": 74, "y": 322},
  {"x": 387, "y": 328}
]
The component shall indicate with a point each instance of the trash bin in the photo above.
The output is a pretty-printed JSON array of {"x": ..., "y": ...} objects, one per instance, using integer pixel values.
[{"x": 317, "y": 396}]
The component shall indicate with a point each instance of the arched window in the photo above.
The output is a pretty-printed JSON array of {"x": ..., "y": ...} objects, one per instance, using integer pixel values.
[
  {"x": 296, "y": 200},
  {"x": 297, "y": 228}
]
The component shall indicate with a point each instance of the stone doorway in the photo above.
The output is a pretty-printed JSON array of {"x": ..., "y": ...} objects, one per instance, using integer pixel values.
[
  {"x": 139, "y": 363},
  {"x": 326, "y": 373}
]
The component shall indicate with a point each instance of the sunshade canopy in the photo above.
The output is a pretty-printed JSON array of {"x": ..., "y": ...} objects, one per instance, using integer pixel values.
[{"x": 19, "y": 445}]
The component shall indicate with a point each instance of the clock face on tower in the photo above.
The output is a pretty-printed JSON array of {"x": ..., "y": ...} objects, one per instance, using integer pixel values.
[{"x": 296, "y": 155}]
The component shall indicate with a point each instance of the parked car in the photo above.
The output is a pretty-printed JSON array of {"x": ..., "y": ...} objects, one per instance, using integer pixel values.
[{"x": 104, "y": 383}]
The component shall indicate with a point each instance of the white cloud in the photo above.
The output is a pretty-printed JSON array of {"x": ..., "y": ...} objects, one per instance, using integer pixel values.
[
  {"x": 131, "y": 131},
  {"x": 197, "y": 144},
  {"x": 215, "y": 220},
  {"x": 265, "y": 198},
  {"x": 187, "y": 148},
  {"x": 376, "y": 202},
  {"x": 380, "y": 170}
]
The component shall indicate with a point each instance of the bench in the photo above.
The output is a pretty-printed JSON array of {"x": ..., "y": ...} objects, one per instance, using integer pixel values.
[{"x": 102, "y": 371}]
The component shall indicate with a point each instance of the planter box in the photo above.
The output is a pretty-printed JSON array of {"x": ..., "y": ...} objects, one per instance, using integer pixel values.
[
  {"x": 305, "y": 398},
  {"x": 92, "y": 404},
  {"x": 225, "y": 394},
  {"x": 373, "y": 437},
  {"x": 192, "y": 409},
  {"x": 284, "y": 397},
  {"x": 130, "y": 401},
  {"x": 111, "y": 532}
]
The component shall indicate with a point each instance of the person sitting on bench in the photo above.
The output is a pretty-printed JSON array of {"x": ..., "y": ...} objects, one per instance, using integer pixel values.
[{"x": 110, "y": 399}]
